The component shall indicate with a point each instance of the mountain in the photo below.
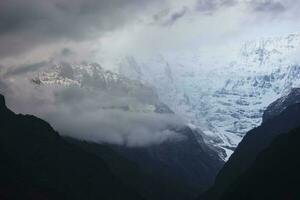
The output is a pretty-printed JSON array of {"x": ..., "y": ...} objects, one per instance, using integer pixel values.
[
  {"x": 36, "y": 163},
  {"x": 132, "y": 95},
  {"x": 274, "y": 174},
  {"x": 256, "y": 141},
  {"x": 169, "y": 169},
  {"x": 166, "y": 171},
  {"x": 225, "y": 98},
  {"x": 281, "y": 104}
]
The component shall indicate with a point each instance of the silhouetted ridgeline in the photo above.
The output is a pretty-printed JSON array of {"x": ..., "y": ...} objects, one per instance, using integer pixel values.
[
  {"x": 172, "y": 170},
  {"x": 36, "y": 163},
  {"x": 274, "y": 175}
]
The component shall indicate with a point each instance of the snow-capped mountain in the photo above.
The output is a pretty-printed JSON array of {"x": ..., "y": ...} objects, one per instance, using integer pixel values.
[
  {"x": 222, "y": 99},
  {"x": 133, "y": 95},
  {"x": 226, "y": 99},
  {"x": 147, "y": 132}
]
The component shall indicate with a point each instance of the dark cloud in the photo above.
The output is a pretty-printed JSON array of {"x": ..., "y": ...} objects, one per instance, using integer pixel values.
[
  {"x": 27, "y": 23},
  {"x": 66, "y": 70},
  {"x": 228, "y": 2},
  {"x": 210, "y": 6},
  {"x": 24, "y": 69},
  {"x": 176, "y": 16},
  {"x": 167, "y": 17},
  {"x": 259, "y": 6},
  {"x": 269, "y": 6},
  {"x": 207, "y": 5},
  {"x": 161, "y": 15},
  {"x": 66, "y": 52}
]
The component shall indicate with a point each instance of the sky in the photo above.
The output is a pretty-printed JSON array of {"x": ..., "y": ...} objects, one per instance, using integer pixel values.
[{"x": 35, "y": 32}]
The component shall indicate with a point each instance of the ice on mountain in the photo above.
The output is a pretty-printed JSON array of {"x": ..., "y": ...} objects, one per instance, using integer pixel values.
[{"x": 225, "y": 100}]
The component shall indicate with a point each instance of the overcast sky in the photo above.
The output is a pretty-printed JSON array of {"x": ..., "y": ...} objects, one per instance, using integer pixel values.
[{"x": 32, "y": 30}]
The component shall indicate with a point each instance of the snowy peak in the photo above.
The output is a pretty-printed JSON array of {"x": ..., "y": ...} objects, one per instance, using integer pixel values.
[
  {"x": 228, "y": 100},
  {"x": 266, "y": 53},
  {"x": 223, "y": 99},
  {"x": 129, "y": 95}
]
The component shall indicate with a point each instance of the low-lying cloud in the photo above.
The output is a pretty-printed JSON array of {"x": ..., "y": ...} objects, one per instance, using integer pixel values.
[
  {"x": 93, "y": 113},
  {"x": 21, "y": 70}
]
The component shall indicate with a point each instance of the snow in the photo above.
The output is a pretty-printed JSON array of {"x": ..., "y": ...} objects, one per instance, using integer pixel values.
[{"x": 224, "y": 99}]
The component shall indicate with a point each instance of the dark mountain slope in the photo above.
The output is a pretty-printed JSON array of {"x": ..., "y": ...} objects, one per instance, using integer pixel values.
[
  {"x": 274, "y": 175},
  {"x": 281, "y": 104},
  {"x": 253, "y": 143},
  {"x": 173, "y": 170},
  {"x": 36, "y": 163}
]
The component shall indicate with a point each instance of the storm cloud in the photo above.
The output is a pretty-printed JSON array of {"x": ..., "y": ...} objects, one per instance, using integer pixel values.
[{"x": 25, "y": 24}]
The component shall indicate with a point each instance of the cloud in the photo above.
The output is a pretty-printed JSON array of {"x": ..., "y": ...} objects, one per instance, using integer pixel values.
[
  {"x": 66, "y": 52},
  {"x": 115, "y": 113},
  {"x": 168, "y": 17},
  {"x": 176, "y": 16},
  {"x": 259, "y": 6},
  {"x": 228, "y": 3},
  {"x": 268, "y": 6},
  {"x": 24, "y": 69},
  {"x": 161, "y": 15},
  {"x": 118, "y": 127},
  {"x": 211, "y": 6},
  {"x": 207, "y": 5},
  {"x": 116, "y": 25},
  {"x": 28, "y": 23}
]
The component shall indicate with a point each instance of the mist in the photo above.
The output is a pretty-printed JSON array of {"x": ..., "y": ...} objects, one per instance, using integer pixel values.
[{"x": 93, "y": 114}]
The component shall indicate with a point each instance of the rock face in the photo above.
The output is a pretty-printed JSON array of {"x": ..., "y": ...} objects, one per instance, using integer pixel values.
[
  {"x": 281, "y": 104},
  {"x": 225, "y": 99},
  {"x": 274, "y": 174},
  {"x": 256, "y": 141},
  {"x": 36, "y": 163}
]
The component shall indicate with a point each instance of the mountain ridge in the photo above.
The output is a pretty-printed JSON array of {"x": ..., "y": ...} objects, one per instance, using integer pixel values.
[
  {"x": 273, "y": 175},
  {"x": 252, "y": 144},
  {"x": 225, "y": 99},
  {"x": 41, "y": 165}
]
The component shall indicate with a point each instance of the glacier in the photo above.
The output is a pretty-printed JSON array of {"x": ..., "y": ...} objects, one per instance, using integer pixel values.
[{"x": 224, "y": 98}]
